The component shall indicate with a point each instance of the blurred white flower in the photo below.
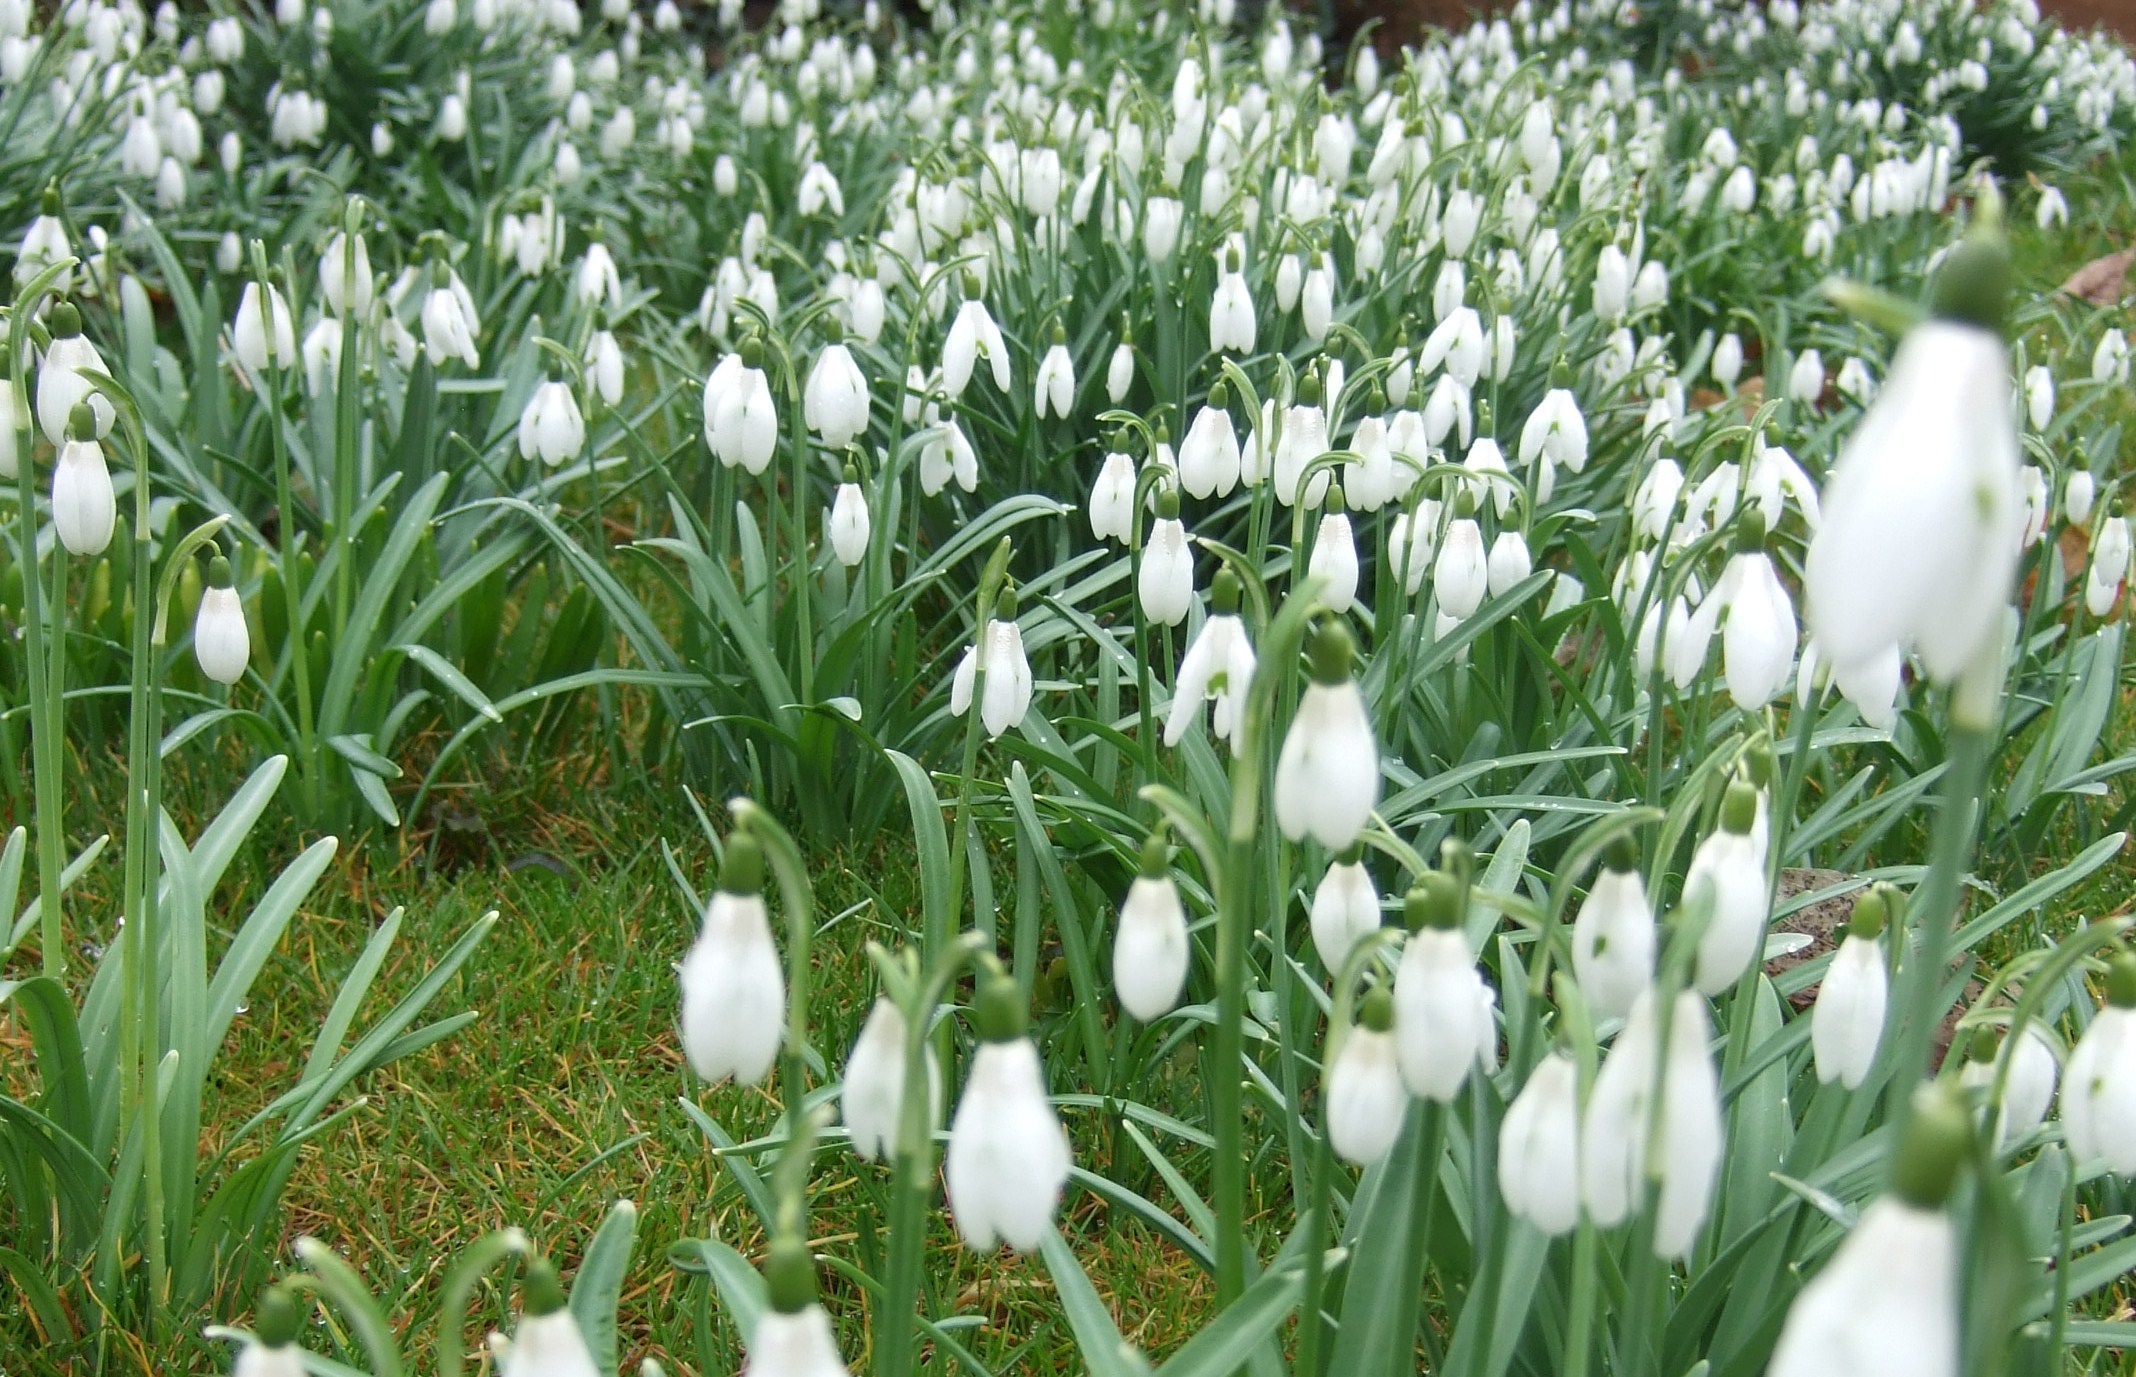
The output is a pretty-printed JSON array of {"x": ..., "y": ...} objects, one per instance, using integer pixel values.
[
  {"x": 2099, "y": 1086},
  {"x": 1613, "y": 939},
  {"x": 1149, "y": 959},
  {"x": 835, "y": 401},
  {"x": 1327, "y": 775},
  {"x": 872, "y": 1094},
  {"x": 550, "y": 425},
  {"x": 1365, "y": 1098},
  {"x": 733, "y": 988},
  {"x": 1539, "y": 1148}
]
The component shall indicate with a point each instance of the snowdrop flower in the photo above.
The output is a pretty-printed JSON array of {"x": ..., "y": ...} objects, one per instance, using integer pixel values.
[
  {"x": 449, "y": 325},
  {"x": 1613, "y": 1131},
  {"x": 272, "y": 1351},
  {"x": 84, "y": 508},
  {"x": 452, "y": 118},
  {"x": 1461, "y": 575},
  {"x": 835, "y": 402},
  {"x": 1290, "y": 280},
  {"x": 1728, "y": 361},
  {"x": 259, "y": 334},
  {"x": 2039, "y": 396},
  {"x": 2027, "y": 1087},
  {"x": 793, "y": 1337},
  {"x": 819, "y": 193},
  {"x": 1112, "y": 498},
  {"x": 2052, "y": 209},
  {"x": 1887, "y": 1302},
  {"x": 1008, "y": 1156},
  {"x": 1055, "y": 387},
  {"x": 1000, "y": 652},
  {"x": 1729, "y": 870},
  {"x": 971, "y": 335},
  {"x": 1209, "y": 455},
  {"x": 1758, "y": 637},
  {"x": 1120, "y": 372},
  {"x": 604, "y": 367},
  {"x": 345, "y": 275},
  {"x": 2079, "y": 491},
  {"x": 1316, "y": 300},
  {"x": 1218, "y": 667},
  {"x": 1847, "y": 1022},
  {"x": 1442, "y": 1008},
  {"x": 1346, "y": 909},
  {"x": 1161, "y": 216},
  {"x": 945, "y": 454},
  {"x": 1650, "y": 289},
  {"x": 1231, "y": 319},
  {"x": 1539, "y": 1148},
  {"x": 1613, "y": 938},
  {"x": 1327, "y": 775},
  {"x": 43, "y": 244},
  {"x": 12, "y": 423},
  {"x": 1411, "y": 544},
  {"x": 1365, "y": 1099},
  {"x": 1806, "y": 380},
  {"x": 548, "y": 1342},
  {"x": 848, "y": 521},
  {"x": 1854, "y": 382},
  {"x": 550, "y": 425},
  {"x": 1303, "y": 439},
  {"x": 1915, "y": 546},
  {"x": 1334, "y": 557},
  {"x": 2099, "y": 1089},
  {"x": 1509, "y": 563},
  {"x": 1691, "y": 1131},
  {"x": 733, "y": 989},
  {"x": 741, "y": 422},
  {"x": 597, "y": 279},
  {"x": 62, "y": 384},
  {"x": 1613, "y": 284},
  {"x": 2109, "y": 566},
  {"x": 871, "y": 1097},
  {"x": 2110, "y": 361},
  {"x": 1165, "y": 580},
  {"x": 1150, "y": 948},
  {"x": 1554, "y": 436}
]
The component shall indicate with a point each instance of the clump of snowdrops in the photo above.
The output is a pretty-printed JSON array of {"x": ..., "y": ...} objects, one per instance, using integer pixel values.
[{"x": 1559, "y": 567}]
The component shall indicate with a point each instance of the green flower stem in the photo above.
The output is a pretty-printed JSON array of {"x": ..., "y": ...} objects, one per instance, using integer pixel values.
[
  {"x": 45, "y": 760},
  {"x": 347, "y": 419},
  {"x": 1933, "y": 909},
  {"x": 1226, "y": 1091},
  {"x": 307, "y": 754},
  {"x": 1586, "y": 1280},
  {"x": 912, "y": 1165}
]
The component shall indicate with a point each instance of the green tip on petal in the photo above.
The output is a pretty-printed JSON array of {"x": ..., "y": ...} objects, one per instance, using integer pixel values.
[
  {"x": 1622, "y": 856},
  {"x": 1973, "y": 285},
  {"x": 1938, "y": 1138},
  {"x": 1739, "y": 809},
  {"x": 1377, "y": 1010},
  {"x": 1000, "y": 1010},
  {"x": 1750, "y": 530},
  {"x": 542, "y": 1293},
  {"x": 1332, "y": 653},
  {"x": 278, "y": 1323},
  {"x": 1872, "y": 912},
  {"x": 743, "y": 871},
  {"x": 1224, "y": 592},
  {"x": 2121, "y": 981},
  {"x": 66, "y": 320},
  {"x": 790, "y": 1275}
]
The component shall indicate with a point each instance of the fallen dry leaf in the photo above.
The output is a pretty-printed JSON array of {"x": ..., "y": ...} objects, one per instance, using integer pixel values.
[{"x": 2103, "y": 280}]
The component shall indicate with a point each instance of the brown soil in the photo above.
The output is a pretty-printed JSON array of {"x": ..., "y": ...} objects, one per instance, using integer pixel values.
[{"x": 1403, "y": 18}]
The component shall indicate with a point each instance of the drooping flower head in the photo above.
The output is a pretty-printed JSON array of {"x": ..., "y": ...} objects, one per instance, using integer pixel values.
[{"x": 1008, "y": 1155}]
